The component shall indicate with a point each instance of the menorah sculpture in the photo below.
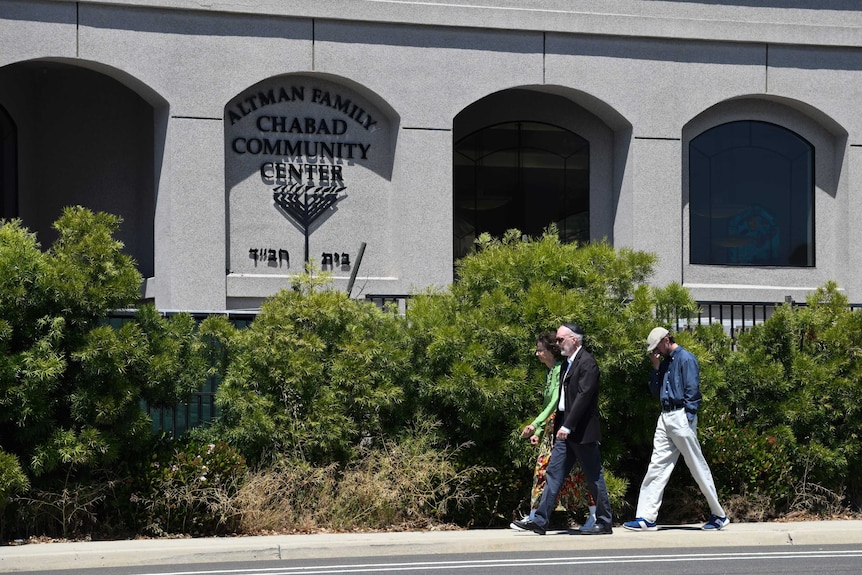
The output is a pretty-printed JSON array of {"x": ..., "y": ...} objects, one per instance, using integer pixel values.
[{"x": 305, "y": 203}]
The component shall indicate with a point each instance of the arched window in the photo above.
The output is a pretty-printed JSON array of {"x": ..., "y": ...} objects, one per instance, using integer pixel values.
[
  {"x": 751, "y": 190},
  {"x": 523, "y": 175}
]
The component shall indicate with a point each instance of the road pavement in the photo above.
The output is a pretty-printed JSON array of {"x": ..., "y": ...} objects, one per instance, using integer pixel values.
[{"x": 92, "y": 554}]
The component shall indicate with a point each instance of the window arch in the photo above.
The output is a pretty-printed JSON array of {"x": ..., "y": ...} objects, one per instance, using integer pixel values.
[
  {"x": 524, "y": 175},
  {"x": 751, "y": 187}
]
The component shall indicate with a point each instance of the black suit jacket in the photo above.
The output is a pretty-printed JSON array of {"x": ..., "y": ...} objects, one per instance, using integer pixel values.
[{"x": 582, "y": 399}]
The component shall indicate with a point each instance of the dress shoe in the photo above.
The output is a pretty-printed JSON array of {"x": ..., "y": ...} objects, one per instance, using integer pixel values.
[
  {"x": 527, "y": 525},
  {"x": 597, "y": 529}
]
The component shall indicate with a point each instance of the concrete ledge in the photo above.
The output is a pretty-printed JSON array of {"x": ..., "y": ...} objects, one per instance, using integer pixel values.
[{"x": 680, "y": 20}]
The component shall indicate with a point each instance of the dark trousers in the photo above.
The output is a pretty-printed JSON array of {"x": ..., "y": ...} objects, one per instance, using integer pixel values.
[{"x": 563, "y": 457}]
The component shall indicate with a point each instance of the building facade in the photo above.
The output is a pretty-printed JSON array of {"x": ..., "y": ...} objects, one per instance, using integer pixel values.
[{"x": 380, "y": 137}]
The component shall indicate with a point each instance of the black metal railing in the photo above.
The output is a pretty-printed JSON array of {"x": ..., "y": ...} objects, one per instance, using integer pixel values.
[{"x": 734, "y": 317}]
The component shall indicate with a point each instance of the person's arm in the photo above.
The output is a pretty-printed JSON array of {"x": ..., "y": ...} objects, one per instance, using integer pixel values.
[
  {"x": 689, "y": 373},
  {"x": 551, "y": 403},
  {"x": 657, "y": 378}
]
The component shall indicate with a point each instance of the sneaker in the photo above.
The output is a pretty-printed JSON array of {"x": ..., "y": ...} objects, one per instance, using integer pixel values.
[
  {"x": 528, "y": 526},
  {"x": 591, "y": 521},
  {"x": 715, "y": 523},
  {"x": 641, "y": 524},
  {"x": 522, "y": 519}
]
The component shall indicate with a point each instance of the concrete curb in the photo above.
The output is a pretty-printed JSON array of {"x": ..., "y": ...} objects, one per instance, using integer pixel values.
[{"x": 83, "y": 555}]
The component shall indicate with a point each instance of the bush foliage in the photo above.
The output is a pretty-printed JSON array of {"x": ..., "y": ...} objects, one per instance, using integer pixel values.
[
  {"x": 336, "y": 414},
  {"x": 797, "y": 381},
  {"x": 71, "y": 387},
  {"x": 315, "y": 376}
]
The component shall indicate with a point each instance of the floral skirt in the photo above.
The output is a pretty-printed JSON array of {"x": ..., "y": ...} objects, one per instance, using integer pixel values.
[{"x": 574, "y": 494}]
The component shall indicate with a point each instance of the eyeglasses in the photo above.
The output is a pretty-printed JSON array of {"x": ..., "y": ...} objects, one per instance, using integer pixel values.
[{"x": 562, "y": 339}]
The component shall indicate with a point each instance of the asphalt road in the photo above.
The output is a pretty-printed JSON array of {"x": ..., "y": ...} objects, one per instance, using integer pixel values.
[{"x": 829, "y": 559}]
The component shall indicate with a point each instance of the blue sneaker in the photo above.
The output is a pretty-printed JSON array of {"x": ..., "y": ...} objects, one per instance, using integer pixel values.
[
  {"x": 641, "y": 524},
  {"x": 715, "y": 523}
]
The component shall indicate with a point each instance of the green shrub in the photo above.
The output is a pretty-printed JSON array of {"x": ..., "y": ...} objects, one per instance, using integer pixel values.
[
  {"x": 49, "y": 303},
  {"x": 746, "y": 462},
  {"x": 70, "y": 386},
  {"x": 313, "y": 377},
  {"x": 769, "y": 439},
  {"x": 798, "y": 377},
  {"x": 355, "y": 417}
]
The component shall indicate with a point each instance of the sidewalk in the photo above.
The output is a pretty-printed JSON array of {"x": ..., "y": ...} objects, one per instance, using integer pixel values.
[{"x": 85, "y": 555}]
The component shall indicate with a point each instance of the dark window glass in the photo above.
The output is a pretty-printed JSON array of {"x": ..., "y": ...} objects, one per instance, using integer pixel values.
[
  {"x": 752, "y": 196},
  {"x": 523, "y": 175}
]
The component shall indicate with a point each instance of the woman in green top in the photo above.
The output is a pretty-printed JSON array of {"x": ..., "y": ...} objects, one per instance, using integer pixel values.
[{"x": 574, "y": 491}]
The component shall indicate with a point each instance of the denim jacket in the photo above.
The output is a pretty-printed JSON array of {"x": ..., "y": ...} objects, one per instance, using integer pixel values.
[{"x": 676, "y": 382}]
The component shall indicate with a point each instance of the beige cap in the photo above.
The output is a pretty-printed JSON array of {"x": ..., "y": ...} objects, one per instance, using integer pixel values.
[{"x": 654, "y": 337}]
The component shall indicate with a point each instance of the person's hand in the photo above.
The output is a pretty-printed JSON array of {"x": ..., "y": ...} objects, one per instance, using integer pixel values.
[
  {"x": 655, "y": 358},
  {"x": 562, "y": 434},
  {"x": 534, "y": 439},
  {"x": 528, "y": 431}
]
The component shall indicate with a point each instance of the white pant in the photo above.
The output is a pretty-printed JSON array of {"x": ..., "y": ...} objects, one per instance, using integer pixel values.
[{"x": 674, "y": 435}]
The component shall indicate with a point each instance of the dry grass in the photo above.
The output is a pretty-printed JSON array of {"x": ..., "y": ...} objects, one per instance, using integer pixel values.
[
  {"x": 187, "y": 508},
  {"x": 755, "y": 507},
  {"x": 282, "y": 497},
  {"x": 815, "y": 500},
  {"x": 405, "y": 485}
]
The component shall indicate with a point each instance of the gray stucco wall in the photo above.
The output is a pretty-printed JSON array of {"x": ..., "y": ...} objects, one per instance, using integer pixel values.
[{"x": 647, "y": 76}]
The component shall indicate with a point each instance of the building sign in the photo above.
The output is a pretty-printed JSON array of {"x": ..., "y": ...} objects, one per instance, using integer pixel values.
[{"x": 296, "y": 148}]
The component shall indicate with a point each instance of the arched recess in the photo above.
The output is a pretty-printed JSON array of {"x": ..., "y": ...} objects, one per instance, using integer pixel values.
[
  {"x": 784, "y": 208},
  {"x": 8, "y": 164},
  {"x": 87, "y": 135},
  {"x": 528, "y": 157}
]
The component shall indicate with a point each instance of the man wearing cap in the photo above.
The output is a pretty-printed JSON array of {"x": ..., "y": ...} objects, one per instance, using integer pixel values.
[
  {"x": 577, "y": 429},
  {"x": 675, "y": 381}
]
